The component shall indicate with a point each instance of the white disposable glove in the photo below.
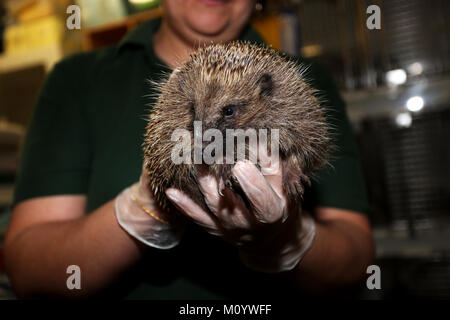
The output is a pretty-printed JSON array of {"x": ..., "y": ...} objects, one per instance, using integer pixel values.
[
  {"x": 138, "y": 215},
  {"x": 271, "y": 237}
]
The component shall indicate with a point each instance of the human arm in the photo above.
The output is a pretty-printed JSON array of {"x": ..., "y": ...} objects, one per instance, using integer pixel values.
[
  {"x": 60, "y": 158},
  {"x": 342, "y": 250},
  {"x": 47, "y": 234}
]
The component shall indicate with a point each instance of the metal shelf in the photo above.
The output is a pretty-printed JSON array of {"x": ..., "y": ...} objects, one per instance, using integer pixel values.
[{"x": 399, "y": 245}]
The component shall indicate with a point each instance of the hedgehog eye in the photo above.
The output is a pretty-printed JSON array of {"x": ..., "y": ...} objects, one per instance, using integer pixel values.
[{"x": 228, "y": 111}]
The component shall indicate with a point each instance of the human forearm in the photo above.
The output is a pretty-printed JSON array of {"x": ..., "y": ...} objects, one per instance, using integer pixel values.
[
  {"x": 338, "y": 257},
  {"x": 37, "y": 258}
]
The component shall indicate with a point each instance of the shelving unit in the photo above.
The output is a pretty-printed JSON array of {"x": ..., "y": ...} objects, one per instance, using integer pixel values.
[{"x": 46, "y": 57}]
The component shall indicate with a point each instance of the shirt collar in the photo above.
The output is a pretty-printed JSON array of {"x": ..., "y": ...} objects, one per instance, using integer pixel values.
[{"x": 142, "y": 35}]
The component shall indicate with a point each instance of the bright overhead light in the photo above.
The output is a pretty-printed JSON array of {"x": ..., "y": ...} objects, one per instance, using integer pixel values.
[
  {"x": 415, "y": 68},
  {"x": 415, "y": 104},
  {"x": 396, "y": 77},
  {"x": 403, "y": 120}
]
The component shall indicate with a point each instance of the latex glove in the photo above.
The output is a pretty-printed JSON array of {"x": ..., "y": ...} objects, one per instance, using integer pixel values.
[
  {"x": 270, "y": 237},
  {"x": 157, "y": 228}
]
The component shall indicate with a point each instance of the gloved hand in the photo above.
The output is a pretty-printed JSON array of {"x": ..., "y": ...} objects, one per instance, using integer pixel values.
[
  {"x": 270, "y": 236},
  {"x": 137, "y": 214}
]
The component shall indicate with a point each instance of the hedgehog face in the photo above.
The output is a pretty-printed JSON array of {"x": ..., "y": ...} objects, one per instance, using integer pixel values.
[
  {"x": 219, "y": 98},
  {"x": 227, "y": 105},
  {"x": 220, "y": 106}
]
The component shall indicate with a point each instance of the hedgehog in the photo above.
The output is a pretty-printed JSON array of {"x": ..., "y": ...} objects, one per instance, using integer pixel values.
[{"x": 235, "y": 85}]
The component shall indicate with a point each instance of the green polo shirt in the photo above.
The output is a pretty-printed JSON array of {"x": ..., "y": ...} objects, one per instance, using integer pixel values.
[{"x": 85, "y": 138}]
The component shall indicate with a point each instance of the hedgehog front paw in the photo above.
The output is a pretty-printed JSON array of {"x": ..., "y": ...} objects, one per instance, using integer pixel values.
[{"x": 229, "y": 182}]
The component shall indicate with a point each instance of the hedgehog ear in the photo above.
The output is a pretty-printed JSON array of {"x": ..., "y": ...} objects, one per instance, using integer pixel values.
[{"x": 265, "y": 85}]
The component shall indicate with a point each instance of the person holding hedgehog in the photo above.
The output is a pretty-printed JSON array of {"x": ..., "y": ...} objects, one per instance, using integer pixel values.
[{"x": 77, "y": 203}]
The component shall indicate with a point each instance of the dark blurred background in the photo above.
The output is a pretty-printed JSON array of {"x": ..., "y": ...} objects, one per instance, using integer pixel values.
[{"x": 395, "y": 80}]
